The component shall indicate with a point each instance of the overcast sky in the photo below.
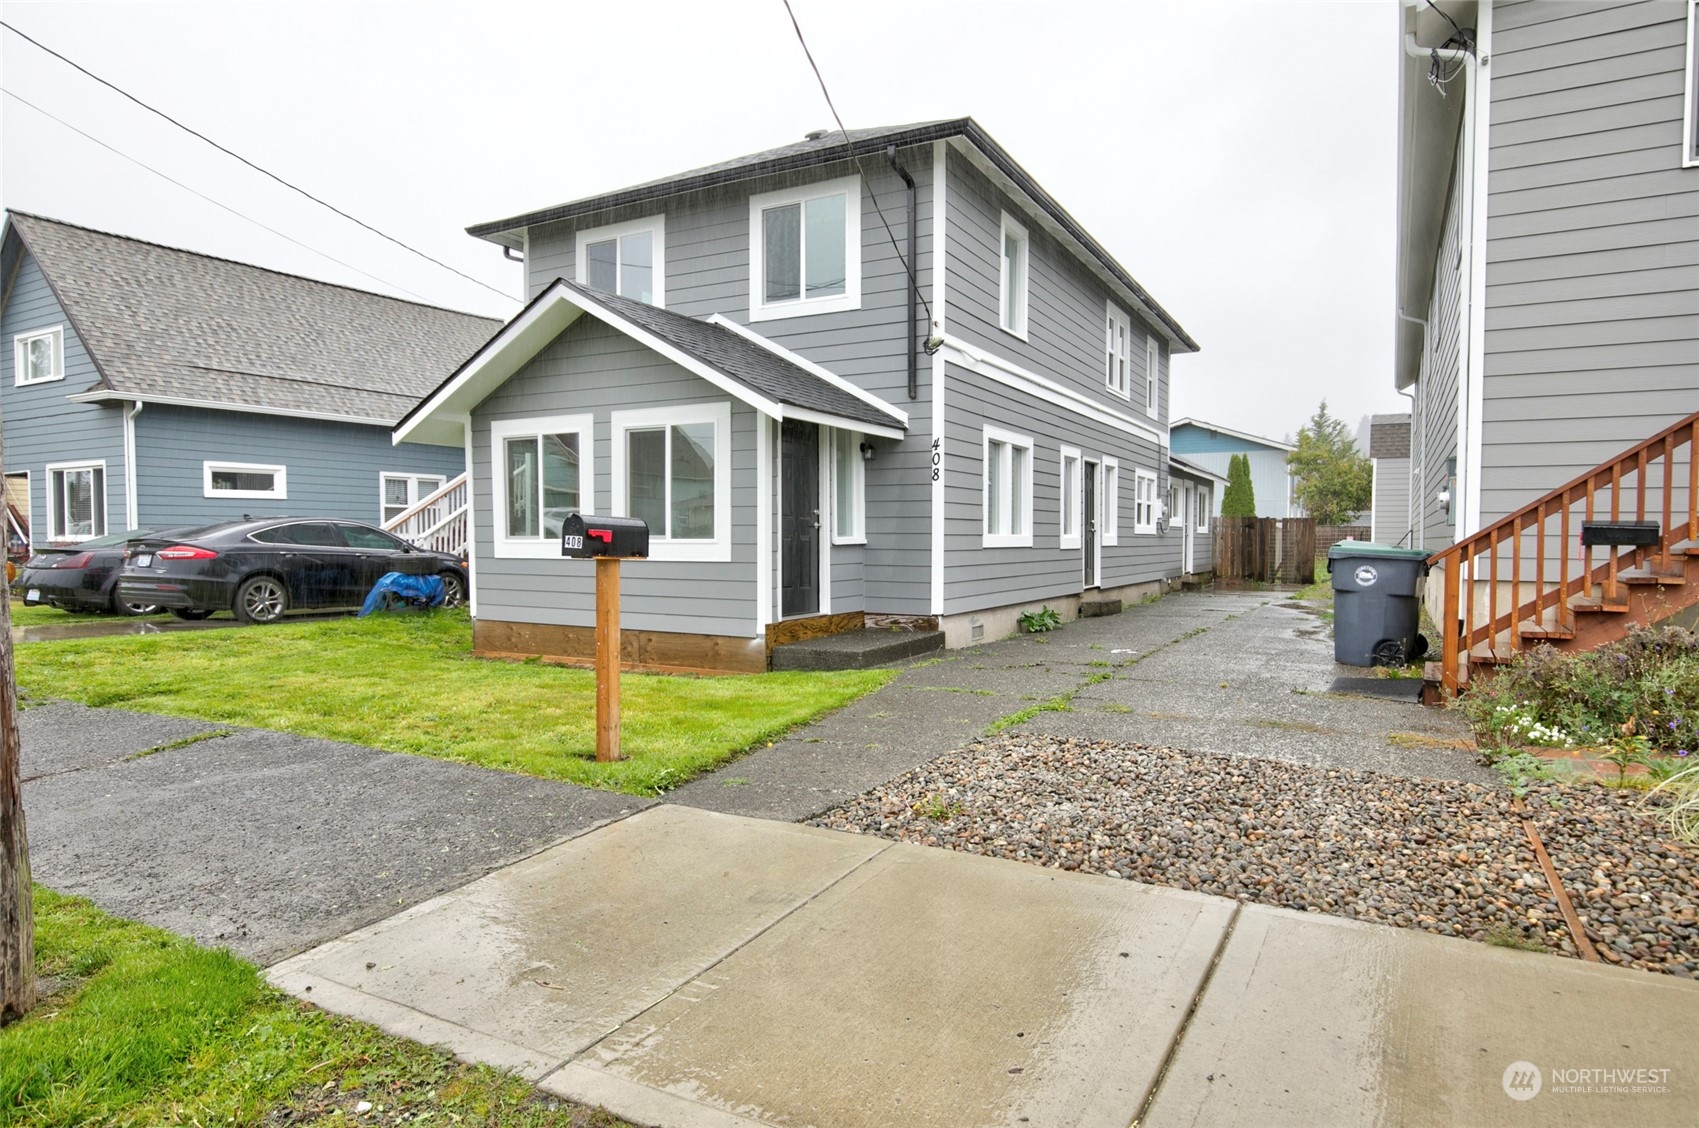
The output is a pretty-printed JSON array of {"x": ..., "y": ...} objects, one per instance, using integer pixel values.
[{"x": 1237, "y": 158}]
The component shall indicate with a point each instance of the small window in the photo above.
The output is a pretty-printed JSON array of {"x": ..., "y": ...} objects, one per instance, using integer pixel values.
[
  {"x": 39, "y": 357},
  {"x": 1118, "y": 348},
  {"x": 1070, "y": 515},
  {"x": 1008, "y": 489},
  {"x": 1152, "y": 356},
  {"x": 1176, "y": 509},
  {"x": 244, "y": 480},
  {"x": 76, "y": 501},
  {"x": 401, "y": 492},
  {"x": 1203, "y": 498},
  {"x": 538, "y": 479},
  {"x": 1111, "y": 532},
  {"x": 627, "y": 259},
  {"x": 805, "y": 250},
  {"x": 672, "y": 469},
  {"x": 1012, "y": 277},
  {"x": 849, "y": 489},
  {"x": 1144, "y": 501}
]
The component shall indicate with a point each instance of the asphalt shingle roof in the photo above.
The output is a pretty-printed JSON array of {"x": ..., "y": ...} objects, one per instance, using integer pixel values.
[
  {"x": 757, "y": 368},
  {"x": 159, "y": 321}
]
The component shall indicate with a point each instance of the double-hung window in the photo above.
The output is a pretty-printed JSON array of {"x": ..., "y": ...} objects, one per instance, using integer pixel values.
[
  {"x": 1118, "y": 350},
  {"x": 39, "y": 357},
  {"x": 849, "y": 489},
  {"x": 1111, "y": 531},
  {"x": 1144, "y": 501},
  {"x": 805, "y": 250},
  {"x": 628, "y": 259},
  {"x": 244, "y": 480},
  {"x": 540, "y": 477},
  {"x": 1008, "y": 489},
  {"x": 672, "y": 469},
  {"x": 400, "y": 492},
  {"x": 76, "y": 500},
  {"x": 1152, "y": 356},
  {"x": 1070, "y": 518},
  {"x": 1013, "y": 253}
]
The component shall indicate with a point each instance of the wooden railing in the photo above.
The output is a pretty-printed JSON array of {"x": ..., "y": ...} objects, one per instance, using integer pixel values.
[
  {"x": 1480, "y": 577},
  {"x": 437, "y": 522}
]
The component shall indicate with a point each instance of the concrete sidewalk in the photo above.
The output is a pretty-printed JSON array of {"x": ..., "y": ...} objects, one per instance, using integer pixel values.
[{"x": 684, "y": 967}]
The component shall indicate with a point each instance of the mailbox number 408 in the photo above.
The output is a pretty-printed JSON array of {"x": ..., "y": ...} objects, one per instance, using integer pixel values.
[{"x": 571, "y": 541}]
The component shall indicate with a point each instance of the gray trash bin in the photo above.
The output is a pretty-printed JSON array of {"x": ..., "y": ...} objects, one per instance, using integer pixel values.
[{"x": 1376, "y": 604}]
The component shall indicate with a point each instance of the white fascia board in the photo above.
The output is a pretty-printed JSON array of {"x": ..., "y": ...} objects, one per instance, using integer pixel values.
[
  {"x": 107, "y": 395},
  {"x": 1219, "y": 429},
  {"x": 809, "y": 366},
  {"x": 826, "y": 418},
  {"x": 1007, "y": 372}
]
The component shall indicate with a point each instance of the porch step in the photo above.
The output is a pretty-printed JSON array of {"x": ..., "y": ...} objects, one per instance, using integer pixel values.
[
  {"x": 1093, "y": 608},
  {"x": 1484, "y": 655},
  {"x": 1588, "y": 603},
  {"x": 1650, "y": 575},
  {"x": 1548, "y": 633},
  {"x": 855, "y": 650},
  {"x": 1685, "y": 548}
]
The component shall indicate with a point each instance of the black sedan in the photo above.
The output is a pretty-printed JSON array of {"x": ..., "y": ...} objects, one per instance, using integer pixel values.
[
  {"x": 80, "y": 577},
  {"x": 261, "y": 569}
]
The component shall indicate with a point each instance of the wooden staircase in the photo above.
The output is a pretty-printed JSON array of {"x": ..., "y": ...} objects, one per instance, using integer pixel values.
[
  {"x": 437, "y": 522},
  {"x": 1527, "y": 579}
]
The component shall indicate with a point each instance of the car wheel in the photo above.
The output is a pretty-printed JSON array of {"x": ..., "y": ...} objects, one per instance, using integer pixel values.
[
  {"x": 190, "y": 615},
  {"x": 453, "y": 589},
  {"x": 121, "y": 607},
  {"x": 261, "y": 599}
]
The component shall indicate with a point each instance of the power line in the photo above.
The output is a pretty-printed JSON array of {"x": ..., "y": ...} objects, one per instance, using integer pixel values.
[
  {"x": 204, "y": 196},
  {"x": 908, "y": 268},
  {"x": 228, "y": 152}
]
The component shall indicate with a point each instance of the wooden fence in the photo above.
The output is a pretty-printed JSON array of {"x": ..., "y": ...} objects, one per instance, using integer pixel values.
[
  {"x": 1329, "y": 535},
  {"x": 1268, "y": 550}
]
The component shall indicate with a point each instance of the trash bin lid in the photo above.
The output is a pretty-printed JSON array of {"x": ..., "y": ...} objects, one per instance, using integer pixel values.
[{"x": 1351, "y": 548}]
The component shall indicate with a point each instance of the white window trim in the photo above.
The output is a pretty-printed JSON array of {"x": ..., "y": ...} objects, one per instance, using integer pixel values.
[
  {"x": 1008, "y": 224},
  {"x": 56, "y": 535},
  {"x": 1141, "y": 476},
  {"x": 539, "y": 547},
  {"x": 1117, "y": 318},
  {"x": 1152, "y": 375},
  {"x": 1022, "y": 539},
  {"x": 1202, "y": 500},
  {"x": 1072, "y": 466},
  {"x": 655, "y": 225},
  {"x": 413, "y": 491},
  {"x": 1176, "y": 514},
  {"x": 858, "y": 531},
  {"x": 1690, "y": 92},
  {"x": 760, "y": 310},
  {"x": 20, "y": 343},
  {"x": 719, "y": 414},
  {"x": 278, "y": 492},
  {"x": 1110, "y": 533}
]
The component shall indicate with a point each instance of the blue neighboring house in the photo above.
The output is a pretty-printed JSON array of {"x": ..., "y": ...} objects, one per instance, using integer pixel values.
[
  {"x": 149, "y": 387},
  {"x": 1213, "y": 446}
]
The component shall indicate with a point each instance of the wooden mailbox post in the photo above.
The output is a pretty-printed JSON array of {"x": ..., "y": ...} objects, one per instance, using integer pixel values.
[{"x": 607, "y": 540}]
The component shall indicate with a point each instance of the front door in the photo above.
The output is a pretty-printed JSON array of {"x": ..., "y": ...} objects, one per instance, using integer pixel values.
[
  {"x": 1088, "y": 525},
  {"x": 799, "y": 518}
]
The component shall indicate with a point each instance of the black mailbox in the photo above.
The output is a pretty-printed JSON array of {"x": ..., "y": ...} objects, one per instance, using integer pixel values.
[
  {"x": 582, "y": 537},
  {"x": 1640, "y": 533}
]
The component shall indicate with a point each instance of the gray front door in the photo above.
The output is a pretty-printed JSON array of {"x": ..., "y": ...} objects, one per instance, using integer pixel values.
[
  {"x": 799, "y": 518},
  {"x": 1088, "y": 525}
]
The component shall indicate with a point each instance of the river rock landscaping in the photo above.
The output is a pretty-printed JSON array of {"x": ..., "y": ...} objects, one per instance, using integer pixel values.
[{"x": 1449, "y": 858}]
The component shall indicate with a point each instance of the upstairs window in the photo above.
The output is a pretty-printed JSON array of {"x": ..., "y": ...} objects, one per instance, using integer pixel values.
[
  {"x": 1008, "y": 489},
  {"x": 626, "y": 259},
  {"x": 805, "y": 250},
  {"x": 1152, "y": 355},
  {"x": 76, "y": 500},
  {"x": 39, "y": 357},
  {"x": 1012, "y": 277},
  {"x": 538, "y": 480},
  {"x": 1118, "y": 347}
]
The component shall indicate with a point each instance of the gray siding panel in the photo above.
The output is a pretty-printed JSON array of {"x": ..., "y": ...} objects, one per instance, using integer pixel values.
[
  {"x": 1433, "y": 423},
  {"x": 1592, "y": 323},
  {"x": 1391, "y": 516},
  {"x": 332, "y": 467},
  {"x": 41, "y": 425}
]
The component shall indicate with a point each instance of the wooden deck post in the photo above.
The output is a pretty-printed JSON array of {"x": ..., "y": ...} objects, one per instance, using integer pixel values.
[{"x": 607, "y": 659}]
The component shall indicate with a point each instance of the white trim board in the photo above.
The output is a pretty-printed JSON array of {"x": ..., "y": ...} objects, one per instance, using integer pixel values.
[
  {"x": 1013, "y": 375},
  {"x": 939, "y": 275}
]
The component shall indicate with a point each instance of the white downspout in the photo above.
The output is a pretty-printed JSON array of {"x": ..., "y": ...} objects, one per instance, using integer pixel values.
[
  {"x": 1479, "y": 108},
  {"x": 132, "y": 518}
]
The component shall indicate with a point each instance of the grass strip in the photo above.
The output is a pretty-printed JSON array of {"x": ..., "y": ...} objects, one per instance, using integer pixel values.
[
  {"x": 409, "y": 683},
  {"x": 142, "y": 1027}
]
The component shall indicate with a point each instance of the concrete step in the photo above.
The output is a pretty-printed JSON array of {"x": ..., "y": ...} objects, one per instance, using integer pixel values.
[
  {"x": 1092, "y": 608},
  {"x": 855, "y": 650}
]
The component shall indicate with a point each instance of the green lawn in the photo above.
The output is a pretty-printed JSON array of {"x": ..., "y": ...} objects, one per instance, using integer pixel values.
[
  {"x": 140, "y": 1027},
  {"x": 408, "y": 683}
]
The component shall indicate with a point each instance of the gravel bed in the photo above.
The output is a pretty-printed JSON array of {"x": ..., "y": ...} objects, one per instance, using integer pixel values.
[{"x": 1446, "y": 857}]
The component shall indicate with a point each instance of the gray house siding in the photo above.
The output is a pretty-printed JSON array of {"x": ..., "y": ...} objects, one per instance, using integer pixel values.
[
  {"x": 1433, "y": 426},
  {"x": 41, "y": 425},
  {"x": 1390, "y": 520},
  {"x": 1592, "y": 321},
  {"x": 1066, "y": 307},
  {"x": 593, "y": 369},
  {"x": 332, "y": 468},
  {"x": 707, "y": 266},
  {"x": 978, "y": 578}
]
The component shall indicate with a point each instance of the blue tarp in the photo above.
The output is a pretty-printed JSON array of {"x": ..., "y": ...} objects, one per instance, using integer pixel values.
[{"x": 397, "y": 589}]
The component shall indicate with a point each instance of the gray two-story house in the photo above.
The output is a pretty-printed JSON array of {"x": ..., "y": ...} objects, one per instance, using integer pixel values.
[
  {"x": 147, "y": 387},
  {"x": 874, "y": 379}
]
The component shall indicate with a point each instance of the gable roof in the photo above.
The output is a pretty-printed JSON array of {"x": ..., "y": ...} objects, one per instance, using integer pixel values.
[
  {"x": 840, "y": 145},
  {"x": 1218, "y": 429},
  {"x": 165, "y": 325},
  {"x": 1192, "y": 469},
  {"x": 774, "y": 381}
]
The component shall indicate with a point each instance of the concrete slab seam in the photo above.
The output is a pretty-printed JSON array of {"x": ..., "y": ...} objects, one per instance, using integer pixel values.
[
  {"x": 1186, "y": 1020},
  {"x": 139, "y": 754},
  {"x": 642, "y": 1104}
]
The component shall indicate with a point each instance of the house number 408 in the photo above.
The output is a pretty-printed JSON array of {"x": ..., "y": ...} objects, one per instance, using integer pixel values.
[{"x": 937, "y": 457}]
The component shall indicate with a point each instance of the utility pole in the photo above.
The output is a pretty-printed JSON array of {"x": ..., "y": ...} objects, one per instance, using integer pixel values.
[{"x": 17, "y": 904}]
